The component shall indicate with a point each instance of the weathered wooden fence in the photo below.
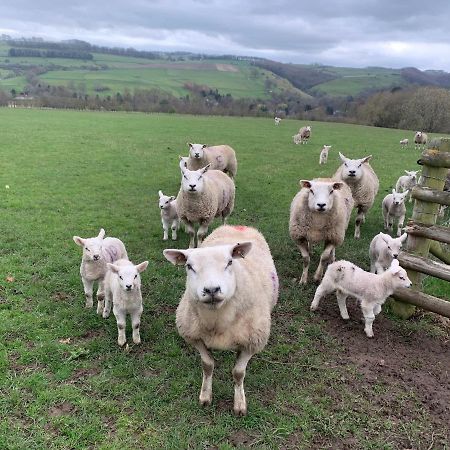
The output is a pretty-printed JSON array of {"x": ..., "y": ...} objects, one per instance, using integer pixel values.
[{"x": 424, "y": 236}]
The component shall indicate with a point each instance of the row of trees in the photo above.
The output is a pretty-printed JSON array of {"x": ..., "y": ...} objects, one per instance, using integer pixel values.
[{"x": 33, "y": 52}]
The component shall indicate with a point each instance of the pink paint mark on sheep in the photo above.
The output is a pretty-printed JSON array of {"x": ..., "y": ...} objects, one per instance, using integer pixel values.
[
  {"x": 275, "y": 286},
  {"x": 111, "y": 253},
  {"x": 240, "y": 227}
]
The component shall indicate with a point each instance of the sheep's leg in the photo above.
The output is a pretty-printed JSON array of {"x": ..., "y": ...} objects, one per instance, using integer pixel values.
[
  {"x": 100, "y": 296},
  {"x": 324, "y": 289},
  {"x": 108, "y": 303},
  {"x": 240, "y": 403},
  {"x": 208, "y": 368},
  {"x": 379, "y": 269},
  {"x": 136, "y": 323},
  {"x": 88, "y": 292},
  {"x": 191, "y": 231},
  {"x": 369, "y": 317},
  {"x": 359, "y": 219},
  {"x": 400, "y": 225},
  {"x": 165, "y": 224},
  {"x": 175, "y": 226},
  {"x": 121, "y": 322},
  {"x": 202, "y": 232},
  {"x": 303, "y": 247},
  {"x": 377, "y": 309},
  {"x": 342, "y": 302},
  {"x": 325, "y": 258}
]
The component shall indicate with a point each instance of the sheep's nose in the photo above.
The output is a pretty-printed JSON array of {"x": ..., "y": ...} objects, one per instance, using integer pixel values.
[
  {"x": 352, "y": 172},
  {"x": 161, "y": 206},
  {"x": 197, "y": 155},
  {"x": 128, "y": 286},
  {"x": 395, "y": 255},
  {"x": 212, "y": 290},
  {"x": 192, "y": 186},
  {"x": 96, "y": 257},
  {"x": 321, "y": 205}
]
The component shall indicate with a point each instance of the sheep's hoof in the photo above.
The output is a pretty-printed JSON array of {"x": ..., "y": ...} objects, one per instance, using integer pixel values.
[
  {"x": 345, "y": 318},
  {"x": 369, "y": 334},
  {"x": 165, "y": 239},
  {"x": 240, "y": 411},
  {"x": 105, "y": 315},
  {"x": 121, "y": 342},
  {"x": 313, "y": 308},
  {"x": 205, "y": 401}
]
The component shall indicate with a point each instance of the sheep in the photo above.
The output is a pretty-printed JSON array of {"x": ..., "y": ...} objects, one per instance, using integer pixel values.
[
  {"x": 123, "y": 291},
  {"x": 97, "y": 252},
  {"x": 221, "y": 157},
  {"x": 320, "y": 212},
  {"x": 277, "y": 120},
  {"x": 370, "y": 289},
  {"x": 169, "y": 216},
  {"x": 363, "y": 183},
  {"x": 231, "y": 289},
  {"x": 383, "y": 249},
  {"x": 420, "y": 138},
  {"x": 204, "y": 194},
  {"x": 404, "y": 142},
  {"x": 393, "y": 206},
  {"x": 305, "y": 134},
  {"x": 324, "y": 154},
  {"x": 297, "y": 139},
  {"x": 407, "y": 182}
]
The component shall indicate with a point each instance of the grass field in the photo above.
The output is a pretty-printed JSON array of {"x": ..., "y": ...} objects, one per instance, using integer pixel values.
[{"x": 65, "y": 384}]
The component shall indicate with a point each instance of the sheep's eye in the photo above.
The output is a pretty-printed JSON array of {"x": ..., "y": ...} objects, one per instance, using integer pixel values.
[
  {"x": 86, "y": 249},
  {"x": 135, "y": 276},
  {"x": 402, "y": 278},
  {"x": 200, "y": 177},
  {"x": 189, "y": 267},
  {"x": 312, "y": 192},
  {"x": 389, "y": 247},
  {"x": 345, "y": 164},
  {"x": 360, "y": 165},
  {"x": 185, "y": 177},
  {"x": 229, "y": 263},
  {"x": 120, "y": 276},
  {"x": 332, "y": 190}
]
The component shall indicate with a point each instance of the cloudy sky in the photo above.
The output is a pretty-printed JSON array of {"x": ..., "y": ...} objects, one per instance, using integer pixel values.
[{"x": 356, "y": 33}]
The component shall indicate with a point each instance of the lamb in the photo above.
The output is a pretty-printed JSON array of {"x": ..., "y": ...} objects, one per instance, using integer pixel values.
[
  {"x": 404, "y": 142},
  {"x": 204, "y": 195},
  {"x": 231, "y": 289},
  {"x": 393, "y": 206},
  {"x": 221, "y": 157},
  {"x": 277, "y": 120},
  {"x": 324, "y": 154},
  {"x": 123, "y": 290},
  {"x": 370, "y": 289},
  {"x": 97, "y": 252},
  {"x": 297, "y": 138},
  {"x": 420, "y": 139},
  {"x": 407, "y": 182},
  {"x": 320, "y": 212},
  {"x": 169, "y": 216},
  {"x": 383, "y": 249},
  {"x": 363, "y": 183}
]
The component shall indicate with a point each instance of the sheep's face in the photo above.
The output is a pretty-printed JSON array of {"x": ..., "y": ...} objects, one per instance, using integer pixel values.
[
  {"x": 197, "y": 151},
  {"x": 398, "y": 197},
  {"x": 92, "y": 247},
  {"x": 165, "y": 200},
  {"x": 326, "y": 149},
  {"x": 210, "y": 272},
  {"x": 321, "y": 194},
  {"x": 353, "y": 168},
  {"x": 418, "y": 135},
  {"x": 183, "y": 162},
  {"x": 308, "y": 128},
  {"x": 393, "y": 246},
  {"x": 412, "y": 176},
  {"x": 192, "y": 181},
  {"x": 399, "y": 275},
  {"x": 128, "y": 275}
]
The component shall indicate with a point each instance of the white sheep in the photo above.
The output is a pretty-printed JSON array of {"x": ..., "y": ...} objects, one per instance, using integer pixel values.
[
  {"x": 231, "y": 289},
  {"x": 220, "y": 157},
  {"x": 370, "y": 289},
  {"x": 383, "y": 249},
  {"x": 169, "y": 216},
  {"x": 320, "y": 212},
  {"x": 97, "y": 252},
  {"x": 277, "y": 120},
  {"x": 363, "y": 182},
  {"x": 404, "y": 142},
  {"x": 123, "y": 291},
  {"x": 420, "y": 139},
  {"x": 324, "y": 154},
  {"x": 297, "y": 138},
  {"x": 393, "y": 207},
  {"x": 407, "y": 182},
  {"x": 305, "y": 134},
  {"x": 204, "y": 195}
]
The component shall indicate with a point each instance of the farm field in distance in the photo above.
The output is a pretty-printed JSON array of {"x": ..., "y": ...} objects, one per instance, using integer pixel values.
[{"x": 320, "y": 383}]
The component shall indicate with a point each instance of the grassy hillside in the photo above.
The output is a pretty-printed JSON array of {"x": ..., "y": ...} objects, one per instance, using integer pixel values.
[{"x": 65, "y": 383}]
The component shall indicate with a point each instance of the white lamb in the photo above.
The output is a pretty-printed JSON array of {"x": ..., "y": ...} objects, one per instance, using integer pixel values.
[
  {"x": 404, "y": 142},
  {"x": 370, "y": 289},
  {"x": 407, "y": 182},
  {"x": 277, "y": 120},
  {"x": 324, "y": 154},
  {"x": 97, "y": 252},
  {"x": 297, "y": 138},
  {"x": 231, "y": 289},
  {"x": 123, "y": 290},
  {"x": 420, "y": 139},
  {"x": 204, "y": 195},
  {"x": 220, "y": 157},
  {"x": 320, "y": 212},
  {"x": 169, "y": 216},
  {"x": 363, "y": 182},
  {"x": 383, "y": 250},
  {"x": 393, "y": 207}
]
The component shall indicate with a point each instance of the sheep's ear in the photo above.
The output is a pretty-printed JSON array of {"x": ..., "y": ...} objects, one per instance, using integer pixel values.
[
  {"x": 338, "y": 185},
  {"x": 395, "y": 267},
  {"x": 305, "y": 184},
  {"x": 403, "y": 237},
  {"x": 385, "y": 237},
  {"x": 393, "y": 190},
  {"x": 405, "y": 193},
  {"x": 190, "y": 145},
  {"x": 205, "y": 169},
  {"x": 160, "y": 193},
  {"x": 204, "y": 146},
  {"x": 113, "y": 267},
  {"x": 366, "y": 159},
  {"x": 172, "y": 198},
  {"x": 240, "y": 250},
  {"x": 176, "y": 257},
  {"x": 79, "y": 241},
  {"x": 142, "y": 266},
  {"x": 343, "y": 158},
  {"x": 101, "y": 235},
  {"x": 407, "y": 172}
]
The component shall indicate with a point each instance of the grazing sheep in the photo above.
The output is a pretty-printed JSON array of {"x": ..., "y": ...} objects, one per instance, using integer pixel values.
[
  {"x": 363, "y": 182},
  {"x": 320, "y": 212},
  {"x": 97, "y": 252},
  {"x": 393, "y": 206},
  {"x": 407, "y": 182},
  {"x": 220, "y": 157},
  {"x": 404, "y": 142},
  {"x": 420, "y": 139},
  {"x": 277, "y": 120},
  {"x": 204, "y": 195},
  {"x": 324, "y": 154},
  {"x": 123, "y": 290},
  {"x": 383, "y": 249},
  {"x": 231, "y": 289},
  {"x": 370, "y": 289},
  {"x": 169, "y": 216}
]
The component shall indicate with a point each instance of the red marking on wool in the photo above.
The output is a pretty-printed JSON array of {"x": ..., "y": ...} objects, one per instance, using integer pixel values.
[{"x": 240, "y": 227}]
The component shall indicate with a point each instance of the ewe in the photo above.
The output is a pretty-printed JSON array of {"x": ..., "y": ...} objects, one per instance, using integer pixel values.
[
  {"x": 219, "y": 157},
  {"x": 231, "y": 289},
  {"x": 420, "y": 139}
]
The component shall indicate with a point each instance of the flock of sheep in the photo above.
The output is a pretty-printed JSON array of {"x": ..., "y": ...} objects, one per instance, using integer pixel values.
[{"x": 231, "y": 279}]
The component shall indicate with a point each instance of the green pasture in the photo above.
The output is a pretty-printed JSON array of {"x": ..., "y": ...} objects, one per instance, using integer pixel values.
[{"x": 64, "y": 382}]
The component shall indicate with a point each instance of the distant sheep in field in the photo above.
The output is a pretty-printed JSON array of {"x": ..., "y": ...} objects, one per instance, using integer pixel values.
[
  {"x": 371, "y": 290},
  {"x": 404, "y": 142},
  {"x": 231, "y": 289},
  {"x": 97, "y": 252},
  {"x": 407, "y": 182},
  {"x": 393, "y": 207},
  {"x": 169, "y": 216},
  {"x": 277, "y": 120},
  {"x": 323, "y": 158},
  {"x": 383, "y": 249},
  {"x": 420, "y": 139},
  {"x": 305, "y": 134},
  {"x": 220, "y": 157},
  {"x": 363, "y": 182},
  {"x": 297, "y": 139}
]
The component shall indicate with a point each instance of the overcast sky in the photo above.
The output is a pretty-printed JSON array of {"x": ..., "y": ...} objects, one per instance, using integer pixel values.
[{"x": 355, "y": 33}]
